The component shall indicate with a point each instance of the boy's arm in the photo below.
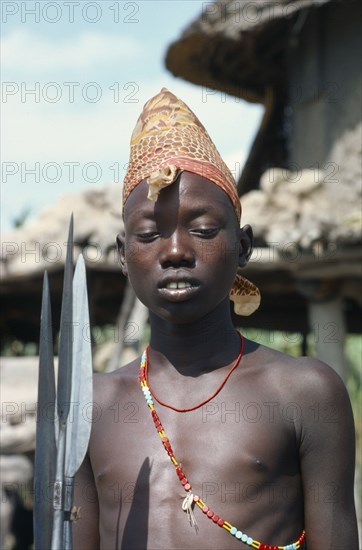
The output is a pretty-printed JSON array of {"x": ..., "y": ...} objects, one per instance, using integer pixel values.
[
  {"x": 86, "y": 529},
  {"x": 327, "y": 454}
]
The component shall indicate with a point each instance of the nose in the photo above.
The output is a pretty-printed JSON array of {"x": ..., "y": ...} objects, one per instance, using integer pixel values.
[{"x": 177, "y": 251}]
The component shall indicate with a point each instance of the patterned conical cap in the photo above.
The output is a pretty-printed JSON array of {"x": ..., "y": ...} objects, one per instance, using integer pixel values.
[{"x": 169, "y": 138}]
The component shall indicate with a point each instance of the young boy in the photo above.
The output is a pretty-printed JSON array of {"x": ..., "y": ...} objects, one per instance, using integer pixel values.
[{"x": 210, "y": 441}]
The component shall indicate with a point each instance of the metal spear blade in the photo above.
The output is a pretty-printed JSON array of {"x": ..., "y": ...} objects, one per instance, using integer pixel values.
[
  {"x": 63, "y": 392},
  {"x": 80, "y": 419},
  {"x": 45, "y": 447},
  {"x": 60, "y": 452},
  {"x": 66, "y": 334},
  {"x": 80, "y": 415}
]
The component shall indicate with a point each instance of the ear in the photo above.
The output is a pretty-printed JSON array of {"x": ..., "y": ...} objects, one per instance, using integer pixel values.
[
  {"x": 246, "y": 244},
  {"x": 120, "y": 247}
]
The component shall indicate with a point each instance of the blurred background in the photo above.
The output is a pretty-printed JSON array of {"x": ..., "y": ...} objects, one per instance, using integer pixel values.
[{"x": 278, "y": 87}]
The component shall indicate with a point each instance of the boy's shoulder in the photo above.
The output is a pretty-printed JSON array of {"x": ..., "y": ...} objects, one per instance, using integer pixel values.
[
  {"x": 307, "y": 391},
  {"x": 305, "y": 377}
]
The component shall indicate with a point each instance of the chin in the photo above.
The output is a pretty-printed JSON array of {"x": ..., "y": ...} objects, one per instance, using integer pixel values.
[
  {"x": 179, "y": 314},
  {"x": 177, "y": 318}
]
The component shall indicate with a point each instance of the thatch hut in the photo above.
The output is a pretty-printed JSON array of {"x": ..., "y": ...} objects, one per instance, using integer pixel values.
[
  {"x": 301, "y": 184},
  {"x": 41, "y": 245}
]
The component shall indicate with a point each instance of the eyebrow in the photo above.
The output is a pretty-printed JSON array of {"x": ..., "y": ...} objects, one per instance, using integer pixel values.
[
  {"x": 192, "y": 213},
  {"x": 144, "y": 213},
  {"x": 198, "y": 211},
  {"x": 193, "y": 210}
]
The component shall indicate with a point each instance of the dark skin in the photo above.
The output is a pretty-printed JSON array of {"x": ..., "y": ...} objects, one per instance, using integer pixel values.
[{"x": 272, "y": 453}]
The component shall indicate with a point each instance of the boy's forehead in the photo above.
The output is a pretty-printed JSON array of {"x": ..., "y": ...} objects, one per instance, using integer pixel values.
[{"x": 193, "y": 191}]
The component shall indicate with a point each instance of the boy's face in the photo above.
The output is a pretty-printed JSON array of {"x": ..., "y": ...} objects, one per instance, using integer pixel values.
[{"x": 181, "y": 252}]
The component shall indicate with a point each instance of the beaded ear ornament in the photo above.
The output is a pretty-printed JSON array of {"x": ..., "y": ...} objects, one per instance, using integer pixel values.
[{"x": 192, "y": 499}]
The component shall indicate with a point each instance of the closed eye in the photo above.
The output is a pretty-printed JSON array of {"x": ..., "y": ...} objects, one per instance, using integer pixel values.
[
  {"x": 148, "y": 236},
  {"x": 205, "y": 233}
]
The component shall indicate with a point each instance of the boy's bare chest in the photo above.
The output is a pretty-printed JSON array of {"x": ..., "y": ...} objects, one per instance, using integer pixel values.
[
  {"x": 234, "y": 446},
  {"x": 237, "y": 451}
]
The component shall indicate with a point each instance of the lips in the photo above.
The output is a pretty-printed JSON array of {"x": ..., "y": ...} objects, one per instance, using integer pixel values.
[
  {"x": 178, "y": 284},
  {"x": 178, "y": 287},
  {"x": 177, "y": 281}
]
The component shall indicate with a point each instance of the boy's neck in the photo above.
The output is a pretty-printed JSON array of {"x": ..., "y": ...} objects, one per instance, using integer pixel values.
[{"x": 187, "y": 346}]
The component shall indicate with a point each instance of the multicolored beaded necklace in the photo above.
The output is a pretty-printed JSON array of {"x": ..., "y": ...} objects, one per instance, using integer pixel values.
[{"x": 191, "y": 499}]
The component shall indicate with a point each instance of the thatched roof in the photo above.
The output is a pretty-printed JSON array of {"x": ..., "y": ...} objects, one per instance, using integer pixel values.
[
  {"x": 300, "y": 208},
  {"x": 238, "y": 46},
  {"x": 308, "y": 235},
  {"x": 41, "y": 245},
  {"x": 241, "y": 48}
]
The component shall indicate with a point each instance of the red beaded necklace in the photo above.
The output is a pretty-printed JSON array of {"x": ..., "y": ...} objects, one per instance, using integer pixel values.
[{"x": 237, "y": 361}]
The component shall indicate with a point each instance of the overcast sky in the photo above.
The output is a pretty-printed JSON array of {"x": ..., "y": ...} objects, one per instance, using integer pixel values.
[{"x": 75, "y": 76}]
